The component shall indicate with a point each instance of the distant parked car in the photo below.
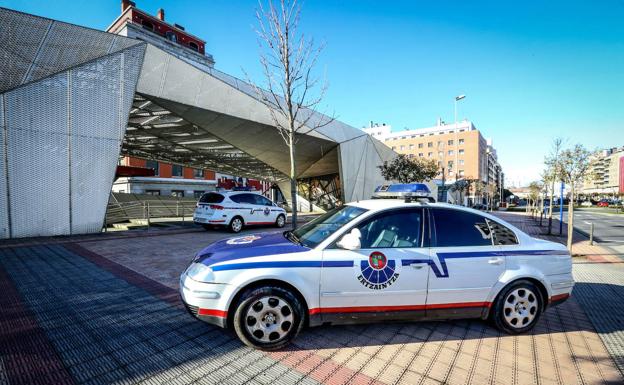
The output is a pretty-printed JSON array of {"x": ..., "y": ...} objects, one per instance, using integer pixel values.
[
  {"x": 479, "y": 206},
  {"x": 603, "y": 203},
  {"x": 237, "y": 209},
  {"x": 587, "y": 204}
]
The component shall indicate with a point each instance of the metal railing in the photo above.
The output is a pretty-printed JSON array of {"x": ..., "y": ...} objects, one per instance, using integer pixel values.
[{"x": 119, "y": 212}]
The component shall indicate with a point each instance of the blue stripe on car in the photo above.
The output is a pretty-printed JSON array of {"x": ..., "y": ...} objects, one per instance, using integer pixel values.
[
  {"x": 474, "y": 254},
  {"x": 270, "y": 264}
]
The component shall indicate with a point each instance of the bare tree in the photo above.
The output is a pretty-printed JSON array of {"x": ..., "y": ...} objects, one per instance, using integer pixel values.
[
  {"x": 573, "y": 165},
  {"x": 551, "y": 175},
  {"x": 291, "y": 90}
]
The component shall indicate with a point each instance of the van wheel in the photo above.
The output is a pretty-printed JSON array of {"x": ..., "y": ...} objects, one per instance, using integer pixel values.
[
  {"x": 280, "y": 221},
  {"x": 268, "y": 317},
  {"x": 518, "y": 307},
  {"x": 236, "y": 224}
]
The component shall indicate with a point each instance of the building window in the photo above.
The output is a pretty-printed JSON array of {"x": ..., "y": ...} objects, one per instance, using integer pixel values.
[
  {"x": 177, "y": 193},
  {"x": 451, "y": 152},
  {"x": 421, "y": 154},
  {"x": 152, "y": 192},
  {"x": 440, "y": 153},
  {"x": 451, "y": 142},
  {"x": 413, "y": 136},
  {"x": 430, "y": 144},
  {"x": 154, "y": 166},
  {"x": 176, "y": 170},
  {"x": 411, "y": 156},
  {"x": 461, "y": 162},
  {"x": 198, "y": 193},
  {"x": 430, "y": 154},
  {"x": 411, "y": 146},
  {"x": 170, "y": 35},
  {"x": 402, "y": 147},
  {"x": 439, "y": 143},
  {"x": 198, "y": 173},
  {"x": 439, "y": 164},
  {"x": 193, "y": 46},
  {"x": 450, "y": 164},
  {"x": 402, "y": 137},
  {"x": 461, "y": 141},
  {"x": 461, "y": 172},
  {"x": 147, "y": 25},
  {"x": 420, "y": 145},
  {"x": 450, "y": 172},
  {"x": 461, "y": 151}
]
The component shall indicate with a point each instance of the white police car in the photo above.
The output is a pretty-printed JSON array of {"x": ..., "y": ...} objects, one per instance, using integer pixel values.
[
  {"x": 375, "y": 260},
  {"x": 236, "y": 209}
]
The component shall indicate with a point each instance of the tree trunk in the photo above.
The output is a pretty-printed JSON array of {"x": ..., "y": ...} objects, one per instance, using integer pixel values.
[
  {"x": 571, "y": 218},
  {"x": 293, "y": 180}
]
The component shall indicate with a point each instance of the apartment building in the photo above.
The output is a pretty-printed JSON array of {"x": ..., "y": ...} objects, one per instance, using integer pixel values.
[
  {"x": 606, "y": 175},
  {"x": 459, "y": 148}
]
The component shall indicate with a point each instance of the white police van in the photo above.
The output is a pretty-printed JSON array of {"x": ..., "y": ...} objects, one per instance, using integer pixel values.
[
  {"x": 237, "y": 209},
  {"x": 376, "y": 260}
]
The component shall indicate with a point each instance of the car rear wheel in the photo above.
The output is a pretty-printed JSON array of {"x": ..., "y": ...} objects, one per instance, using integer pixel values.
[
  {"x": 268, "y": 317},
  {"x": 518, "y": 307},
  {"x": 280, "y": 221},
  {"x": 236, "y": 224}
]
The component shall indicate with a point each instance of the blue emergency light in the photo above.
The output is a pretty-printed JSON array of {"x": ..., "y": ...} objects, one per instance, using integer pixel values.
[{"x": 407, "y": 191}]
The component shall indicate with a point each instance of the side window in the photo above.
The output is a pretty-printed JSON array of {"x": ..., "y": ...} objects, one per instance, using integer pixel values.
[
  {"x": 501, "y": 234},
  {"x": 260, "y": 200},
  {"x": 238, "y": 198},
  {"x": 460, "y": 228},
  {"x": 393, "y": 229}
]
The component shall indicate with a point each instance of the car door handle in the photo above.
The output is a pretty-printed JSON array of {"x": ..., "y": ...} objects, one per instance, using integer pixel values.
[
  {"x": 495, "y": 261},
  {"x": 419, "y": 265}
]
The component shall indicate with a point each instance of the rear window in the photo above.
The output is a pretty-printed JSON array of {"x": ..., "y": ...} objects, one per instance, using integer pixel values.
[{"x": 211, "y": 198}]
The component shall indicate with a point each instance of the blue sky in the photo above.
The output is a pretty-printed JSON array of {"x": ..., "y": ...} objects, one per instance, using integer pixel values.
[{"x": 531, "y": 70}]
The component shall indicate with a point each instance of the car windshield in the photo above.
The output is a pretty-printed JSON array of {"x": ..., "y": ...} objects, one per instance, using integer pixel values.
[{"x": 317, "y": 230}]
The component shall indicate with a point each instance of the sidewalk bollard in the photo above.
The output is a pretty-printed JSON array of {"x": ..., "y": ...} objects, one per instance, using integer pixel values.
[{"x": 591, "y": 234}]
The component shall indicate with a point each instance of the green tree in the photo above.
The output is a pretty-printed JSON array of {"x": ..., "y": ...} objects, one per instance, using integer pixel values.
[
  {"x": 406, "y": 170},
  {"x": 573, "y": 166}
]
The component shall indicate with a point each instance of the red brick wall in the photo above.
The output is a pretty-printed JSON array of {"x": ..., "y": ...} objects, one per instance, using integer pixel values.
[{"x": 165, "y": 170}]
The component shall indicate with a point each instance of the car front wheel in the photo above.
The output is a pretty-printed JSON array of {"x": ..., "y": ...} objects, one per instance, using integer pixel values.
[
  {"x": 268, "y": 317},
  {"x": 518, "y": 307}
]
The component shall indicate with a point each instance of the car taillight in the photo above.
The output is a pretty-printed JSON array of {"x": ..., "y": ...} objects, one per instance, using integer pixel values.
[{"x": 216, "y": 207}]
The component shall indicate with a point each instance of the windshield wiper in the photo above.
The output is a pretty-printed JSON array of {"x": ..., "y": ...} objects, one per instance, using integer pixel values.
[{"x": 290, "y": 235}]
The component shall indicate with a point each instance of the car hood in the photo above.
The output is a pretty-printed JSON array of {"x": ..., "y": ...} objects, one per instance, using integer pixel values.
[{"x": 247, "y": 246}]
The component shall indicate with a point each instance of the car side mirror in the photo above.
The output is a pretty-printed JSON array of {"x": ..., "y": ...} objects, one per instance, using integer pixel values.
[{"x": 350, "y": 241}]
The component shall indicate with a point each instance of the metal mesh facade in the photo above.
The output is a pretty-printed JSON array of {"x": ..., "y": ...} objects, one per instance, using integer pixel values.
[
  {"x": 35, "y": 47},
  {"x": 64, "y": 136},
  {"x": 4, "y": 207}
]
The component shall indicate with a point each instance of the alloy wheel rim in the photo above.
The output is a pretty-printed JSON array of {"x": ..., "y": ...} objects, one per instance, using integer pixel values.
[
  {"x": 269, "y": 319},
  {"x": 520, "y": 308},
  {"x": 280, "y": 221},
  {"x": 237, "y": 225}
]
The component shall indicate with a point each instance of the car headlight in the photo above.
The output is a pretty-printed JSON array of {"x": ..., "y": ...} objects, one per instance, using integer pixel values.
[{"x": 200, "y": 272}]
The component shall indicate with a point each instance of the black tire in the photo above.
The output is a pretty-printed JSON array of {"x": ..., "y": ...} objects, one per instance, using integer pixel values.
[
  {"x": 521, "y": 301},
  {"x": 234, "y": 226},
  {"x": 280, "y": 221},
  {"x": 285, "y": 317}
]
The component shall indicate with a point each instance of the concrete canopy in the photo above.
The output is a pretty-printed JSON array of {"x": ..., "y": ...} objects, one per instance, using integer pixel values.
[{"x": 113, "y": 95}]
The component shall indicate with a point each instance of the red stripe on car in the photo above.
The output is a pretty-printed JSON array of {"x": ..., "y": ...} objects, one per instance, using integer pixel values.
[
  {"x": 368, "y": 309},
  {"x": 212, "y": 312}
]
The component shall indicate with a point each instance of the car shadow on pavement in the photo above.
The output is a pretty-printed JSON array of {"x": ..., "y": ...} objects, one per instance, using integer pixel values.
[{"x": 570, "y": 316}]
